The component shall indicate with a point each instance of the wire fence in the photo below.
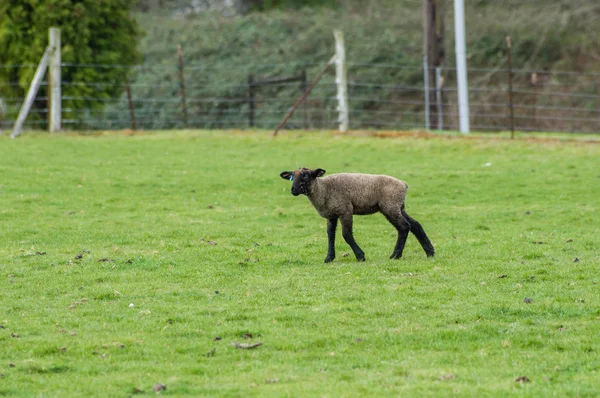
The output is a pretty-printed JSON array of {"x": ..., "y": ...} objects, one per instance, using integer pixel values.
[{"x": 388, "y": 97}]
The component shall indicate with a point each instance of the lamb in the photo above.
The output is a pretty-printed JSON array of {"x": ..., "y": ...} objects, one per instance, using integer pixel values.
[{"x": 340, "y": 196}]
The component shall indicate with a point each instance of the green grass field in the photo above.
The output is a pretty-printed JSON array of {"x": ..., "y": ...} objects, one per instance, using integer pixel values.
[{"x": 128, "y": 261}]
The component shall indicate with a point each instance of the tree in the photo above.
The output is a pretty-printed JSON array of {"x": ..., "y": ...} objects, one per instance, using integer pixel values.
[{"x": 93, "y": 32}]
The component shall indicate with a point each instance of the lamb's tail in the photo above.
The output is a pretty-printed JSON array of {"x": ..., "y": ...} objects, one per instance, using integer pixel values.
[{"x": 419, "y": 232}]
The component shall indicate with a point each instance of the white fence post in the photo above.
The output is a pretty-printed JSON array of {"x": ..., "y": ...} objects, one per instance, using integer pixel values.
[
  {"x": 438, "y": 98},
  {"x": 55, "y": 81},
  {"x": 341, "y": 80},
  {"x": 461, "y": 65},
  {"x": 33, "y": 89}
]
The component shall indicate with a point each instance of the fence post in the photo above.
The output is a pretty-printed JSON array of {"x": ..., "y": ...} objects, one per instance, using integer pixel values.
[
  {"x": 182, "y": 86},
  {"x": 55, "y": 81},
  {"x": 461, "y": 66},
  {"x": 131, "y": 108},
  {"x": 251, "y": 101},
  {"x": 31, "y": 93},
  {"x": 426, "y": 91},
  {"x": 303, "y": 86},
  {"x": 510, "y": 88},
  {"x": 341, "y": 80},
  {"x": 438, "y": 97}
]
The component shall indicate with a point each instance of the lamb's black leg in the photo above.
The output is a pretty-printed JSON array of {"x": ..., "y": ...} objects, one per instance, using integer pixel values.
[
  {"x": 331, "y": 226},
  {"x": 419, "y": 232},
  {"x": 349, "y": 238},
  {"x": 403, "y": 227}
]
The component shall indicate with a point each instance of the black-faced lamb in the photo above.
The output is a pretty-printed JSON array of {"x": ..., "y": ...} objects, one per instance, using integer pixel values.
[{"x": 340, "y": 196}]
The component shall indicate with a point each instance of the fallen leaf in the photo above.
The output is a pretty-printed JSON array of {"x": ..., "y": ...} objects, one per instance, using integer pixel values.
[
  {"x": 272, "y": 381},
  {"x": 212, "y": 242},
  {"x": 527, "y": 300},
  {"x": 247, "y": 336},
  {"x": 569, "y": 240},
  {"x": 217, "y": 338},
  {"x": 503, "y": 276},
  {"x": 537, "y": 242},
  {"x": 575, "y": 260},
  {"x": 79, "y": 256},
  {"x": 159, "y": 387},
  {"x": 40, "y": 253},
  {"x": 247, "y": 346},
  {"x": 580, "y": 300},
  {"x": 16, "y": 336},
  {"x": 62, "y": 349},
  {"x": 522, "y": 379},
  {"x": 11, "y": 365},
  {"x": 105, "y": 259},
  {"x": 137, "y": 390}
]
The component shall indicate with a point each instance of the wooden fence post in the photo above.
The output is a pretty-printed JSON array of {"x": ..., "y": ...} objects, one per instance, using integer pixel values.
[
  {"x": 182, "y": 86},
  {"x": 131, "y": 108},
  {"x": 251, "y": 100},
  {"x": 510, "y": 89},
  {"x": 31, "y": 93},
  {"x": 438, "y": 97},
  {"x": 303, "y": 87},
  {"x": 55, "y": 81},
  {"x": 303, "y": 97}
]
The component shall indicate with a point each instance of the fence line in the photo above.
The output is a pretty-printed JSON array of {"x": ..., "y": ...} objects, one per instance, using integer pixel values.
[{"x": 553, "y": 100}]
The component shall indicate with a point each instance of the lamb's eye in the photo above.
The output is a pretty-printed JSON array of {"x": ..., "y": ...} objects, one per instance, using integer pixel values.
[{"x": 305, "y": 177}]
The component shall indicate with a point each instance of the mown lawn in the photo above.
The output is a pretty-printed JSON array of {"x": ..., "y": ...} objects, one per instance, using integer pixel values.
[{"x": 128, "y": 261}]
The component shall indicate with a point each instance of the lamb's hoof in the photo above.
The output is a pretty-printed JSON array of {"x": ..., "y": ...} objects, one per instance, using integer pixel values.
[
  {"x": 362, "y": 258},
  {"x": 396, "y": 256},
  {"x": 430, "y": 254},
  {"x": 329, "y": 259}
]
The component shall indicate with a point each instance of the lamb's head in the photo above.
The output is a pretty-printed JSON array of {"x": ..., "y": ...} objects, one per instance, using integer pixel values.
[{"x": 302, "y": 179}]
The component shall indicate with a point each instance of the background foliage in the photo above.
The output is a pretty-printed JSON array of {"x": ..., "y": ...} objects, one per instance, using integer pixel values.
[
  {"x": 92, "y": 32},
  {"x": 221, "y": 51}
]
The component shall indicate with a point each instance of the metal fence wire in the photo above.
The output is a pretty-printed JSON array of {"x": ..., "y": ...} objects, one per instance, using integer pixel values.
[{"x": 188, "y": 96}]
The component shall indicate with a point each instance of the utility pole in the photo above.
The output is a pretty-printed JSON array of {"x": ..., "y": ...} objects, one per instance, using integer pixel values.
[{"x": 434, "y": 47}]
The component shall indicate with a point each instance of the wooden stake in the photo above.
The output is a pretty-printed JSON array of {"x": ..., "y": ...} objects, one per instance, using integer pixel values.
[
  {"x": 31, "y": 93},
  {"x": 251, "y": 100},
  {"x": 131, "y": 109},
  {"x": 510, "y": 89},
  {"x": 303, "y": 97},
  {"x": 182, "y": 86}
]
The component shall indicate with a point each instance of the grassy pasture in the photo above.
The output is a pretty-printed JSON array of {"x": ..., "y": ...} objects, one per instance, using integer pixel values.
[{"x": 123, "y": 258}]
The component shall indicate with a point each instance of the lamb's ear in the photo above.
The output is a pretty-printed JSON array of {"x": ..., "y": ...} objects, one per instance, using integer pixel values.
[
  {"x": 287, "y": 175},
  {"x": 319, "y": 173}
]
